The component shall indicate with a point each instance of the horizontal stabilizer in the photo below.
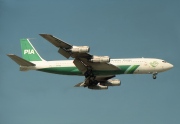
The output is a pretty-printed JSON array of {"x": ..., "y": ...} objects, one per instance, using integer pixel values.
[{"x": 20, "y": 61}]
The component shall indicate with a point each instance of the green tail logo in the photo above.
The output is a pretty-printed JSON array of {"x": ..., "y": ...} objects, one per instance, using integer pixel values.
[{"x": 29, "y": 53}]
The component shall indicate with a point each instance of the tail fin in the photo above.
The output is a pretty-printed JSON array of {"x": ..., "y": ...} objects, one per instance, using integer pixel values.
[{"x": 29, "y": 53}]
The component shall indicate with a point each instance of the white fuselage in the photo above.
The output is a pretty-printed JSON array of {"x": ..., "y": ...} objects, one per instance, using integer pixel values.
[{"x": 126, "y": 66}]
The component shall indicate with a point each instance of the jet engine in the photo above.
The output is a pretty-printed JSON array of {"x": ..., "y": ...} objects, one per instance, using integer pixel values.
[
  {"x": 100, "y": 59},
  {"x": 112, "y": 82},
  {"x": 98, "y": 87},
  {"x": 80, "y": 49}
]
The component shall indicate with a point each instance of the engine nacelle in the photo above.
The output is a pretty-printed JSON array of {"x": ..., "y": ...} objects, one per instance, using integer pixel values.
[
  {"x": 100, "y": 59},
  {"x": 112, "y": 82},
  {"x": 98, "y": 87},
  {"x": 80, "y": 49}
]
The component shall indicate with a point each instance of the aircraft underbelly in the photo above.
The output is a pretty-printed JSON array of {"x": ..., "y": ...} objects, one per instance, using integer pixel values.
[{"x": 122, "y": 69}]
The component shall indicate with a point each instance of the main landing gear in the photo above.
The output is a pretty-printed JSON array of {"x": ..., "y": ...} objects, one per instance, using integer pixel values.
[
  {"x": 88, "y": 73},
  {"x": 90, "y": 77}
]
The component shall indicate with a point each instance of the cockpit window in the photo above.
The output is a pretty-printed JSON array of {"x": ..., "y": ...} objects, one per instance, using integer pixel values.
[{"x": 164, "y": 61}]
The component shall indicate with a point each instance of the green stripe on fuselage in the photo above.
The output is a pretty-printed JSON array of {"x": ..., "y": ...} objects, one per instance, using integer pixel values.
[
  {"x": 62, "y": 70},
  {"x": 131, "y": 69},
  {"x": 74, "y": 71}
]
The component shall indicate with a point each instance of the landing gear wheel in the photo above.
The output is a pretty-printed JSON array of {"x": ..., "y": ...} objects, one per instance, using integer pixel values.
[
  {"x": 93, "y": 82},
  {"x": 154, "y": 76}
]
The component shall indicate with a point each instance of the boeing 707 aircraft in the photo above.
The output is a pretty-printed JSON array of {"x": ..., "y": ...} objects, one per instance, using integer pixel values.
[{"x": 97, "y": 70}]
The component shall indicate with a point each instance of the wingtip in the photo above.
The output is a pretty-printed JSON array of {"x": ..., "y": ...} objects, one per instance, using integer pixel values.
[
  {"x": 43, "y": 34},
  {"x": 77, "y": 85}
]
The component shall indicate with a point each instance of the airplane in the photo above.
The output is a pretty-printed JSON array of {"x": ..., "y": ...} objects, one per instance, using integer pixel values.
[{"x": 97, "y": 70}]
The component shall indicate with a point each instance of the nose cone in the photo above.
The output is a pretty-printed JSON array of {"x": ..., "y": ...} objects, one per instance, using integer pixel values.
[{"x": 169, "y": 66}]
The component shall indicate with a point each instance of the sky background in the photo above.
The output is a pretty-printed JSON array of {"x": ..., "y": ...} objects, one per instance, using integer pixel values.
[{"x": 117, "y": 28}]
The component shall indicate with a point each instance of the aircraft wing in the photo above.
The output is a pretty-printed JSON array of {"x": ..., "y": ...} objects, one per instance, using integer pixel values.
[
  {"x": 65, "y": 49},
  {"x": 82, "y": 58},
  {"x": 91, "y": 66},
  {"x": 56, "y": 42},
  {"x": 98, "y": 78},
  {"x": 103, "y": 83}
]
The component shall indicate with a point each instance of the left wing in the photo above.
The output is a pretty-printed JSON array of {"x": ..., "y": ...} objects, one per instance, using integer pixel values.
[
  {"x": 66, "y": 49},
  {"x": 81, "y": 55}
]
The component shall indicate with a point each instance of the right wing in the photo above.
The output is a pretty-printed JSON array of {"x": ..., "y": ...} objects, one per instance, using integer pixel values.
[
  {"x": 98, "y": 78},
  {"x": 103, "y": 83},
  {"x": 87, "y": 64}
]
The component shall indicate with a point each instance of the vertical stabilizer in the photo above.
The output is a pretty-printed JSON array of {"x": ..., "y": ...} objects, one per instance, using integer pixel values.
[{"x": 29, "y": 53}]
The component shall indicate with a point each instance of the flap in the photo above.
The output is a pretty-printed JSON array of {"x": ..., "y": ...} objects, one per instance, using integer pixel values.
[{"x": 104, "y": 78}]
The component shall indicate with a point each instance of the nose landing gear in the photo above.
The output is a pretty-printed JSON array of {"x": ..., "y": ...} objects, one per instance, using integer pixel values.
[{"x": 154, "y": 75}]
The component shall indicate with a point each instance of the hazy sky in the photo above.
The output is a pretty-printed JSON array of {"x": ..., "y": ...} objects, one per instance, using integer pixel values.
[{"x": 117, "y": 28}]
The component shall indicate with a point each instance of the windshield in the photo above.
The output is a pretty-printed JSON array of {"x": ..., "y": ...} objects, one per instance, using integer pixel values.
[{"x": 164, "y": 61}]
